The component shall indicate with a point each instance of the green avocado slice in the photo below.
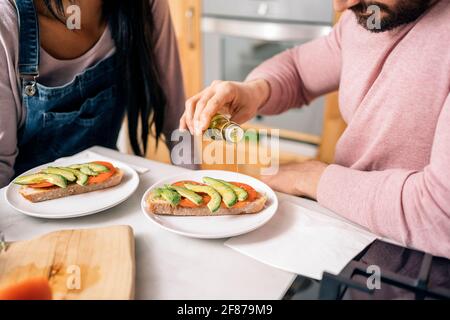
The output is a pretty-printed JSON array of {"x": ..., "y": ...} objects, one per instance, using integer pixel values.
[
  {"x": 69, "y": 176},
  {"x": 82, "y": 179},
  {"x": 169, "y": 195},
  {"x": 55, "y": 179},
  {"x": 216, "y": 199},
  {"x": 188, "y": 194},
  {"x": 228, "y": 196},
  {"x": 240, "y": 192}
]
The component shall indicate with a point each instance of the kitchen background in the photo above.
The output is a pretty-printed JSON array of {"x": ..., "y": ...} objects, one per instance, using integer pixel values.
[{"x": 225, "y": 40}]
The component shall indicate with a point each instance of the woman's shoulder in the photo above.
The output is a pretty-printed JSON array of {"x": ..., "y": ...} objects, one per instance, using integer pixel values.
[
  {"x": 9, "y": 27},
  {"x": 160, "y": 10},
  {"x": 8, "y": 10},
  {"x": 159, "y": 5}
]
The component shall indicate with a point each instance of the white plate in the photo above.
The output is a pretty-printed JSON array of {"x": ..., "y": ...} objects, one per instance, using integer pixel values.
[
  {"x": 78, "y": 205},
  {"x": 211, "y": 227}
]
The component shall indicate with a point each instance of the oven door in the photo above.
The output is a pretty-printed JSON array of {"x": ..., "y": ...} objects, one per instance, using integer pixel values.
[{"x": 234, "y": 47}]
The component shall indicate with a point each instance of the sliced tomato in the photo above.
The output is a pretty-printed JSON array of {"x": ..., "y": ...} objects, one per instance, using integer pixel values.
[
  {"x": 103, "y": 176},
  {"x": 252, "y": 194},
  {"x": 31, "y": 289},
  {"x": 186, "y": 203},
  {"x": 182, "y": 183},
  {"x": 42, "y": 185}
]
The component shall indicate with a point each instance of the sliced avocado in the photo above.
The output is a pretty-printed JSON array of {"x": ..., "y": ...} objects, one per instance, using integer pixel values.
[
  {"x": 156, "y": 194},
  {"x": 169, "y": 195},
  {"x": 69, "y": 176},
  {"x": 241, "y": 193},
  {"x": 84, "y": 169},
  {"x": 91, "y": 167},
  {"x": 216, "y": 199},
  {"x": 88, "y": 171},
  {"x": 55, "y": 179},
  {"x": 229, "y": 197},
  {"x": 188, "y": 194},
  {"x": 97, "y": 167},
  {"x": 82, "y": 179}
]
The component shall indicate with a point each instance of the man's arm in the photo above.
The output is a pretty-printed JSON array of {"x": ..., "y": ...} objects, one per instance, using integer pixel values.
[
  {"x": 299, "y": 75},
  {"x": 407, "y": 206},
  {"x": 291, "y": 79}
]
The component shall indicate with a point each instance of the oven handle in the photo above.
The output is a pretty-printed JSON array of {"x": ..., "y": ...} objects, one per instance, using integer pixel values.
[{"x": 266, "y": 31}]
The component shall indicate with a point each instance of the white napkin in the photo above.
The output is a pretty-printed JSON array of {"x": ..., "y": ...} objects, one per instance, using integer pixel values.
[{"x": 304, "y": 242}]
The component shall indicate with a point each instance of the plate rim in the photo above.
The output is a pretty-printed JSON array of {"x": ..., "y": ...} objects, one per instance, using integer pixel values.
[
  {"x": 76, "y": 215},
  {"x": 203, "y": 236}
]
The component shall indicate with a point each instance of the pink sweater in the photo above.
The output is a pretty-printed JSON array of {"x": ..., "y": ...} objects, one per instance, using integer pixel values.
[{"x": 392, "y": 166}]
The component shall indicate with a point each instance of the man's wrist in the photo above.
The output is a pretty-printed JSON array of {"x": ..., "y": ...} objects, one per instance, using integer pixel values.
[{"x": 260, "y": 90}]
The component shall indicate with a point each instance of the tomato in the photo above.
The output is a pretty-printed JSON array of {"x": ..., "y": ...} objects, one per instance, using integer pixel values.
[
  {"x": 252, "y": 194},
  {"x": 102, "y": 176},
  {"x": 42, "y": 185},
  {"x": 32, "y": 289}
]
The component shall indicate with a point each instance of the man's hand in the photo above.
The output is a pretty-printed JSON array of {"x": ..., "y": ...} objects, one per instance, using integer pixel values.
[
  {"x": 240, "y": 100},
  {"x": 299, "y": 179}
]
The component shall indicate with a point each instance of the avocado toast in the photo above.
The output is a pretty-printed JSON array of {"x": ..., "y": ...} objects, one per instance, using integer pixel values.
[
  {"x": 58, "y": 182},
  {"x": 213, "y": 197}
]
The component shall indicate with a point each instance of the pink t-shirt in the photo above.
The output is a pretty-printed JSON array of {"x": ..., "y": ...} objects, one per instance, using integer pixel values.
[{"x": 392, "y": 166}]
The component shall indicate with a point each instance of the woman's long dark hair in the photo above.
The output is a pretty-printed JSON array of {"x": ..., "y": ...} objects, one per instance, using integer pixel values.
[{"x": 131, "y": 24}]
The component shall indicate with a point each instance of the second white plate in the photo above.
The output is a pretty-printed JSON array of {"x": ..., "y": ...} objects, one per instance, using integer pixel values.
[{"x": 214, "y": 227}]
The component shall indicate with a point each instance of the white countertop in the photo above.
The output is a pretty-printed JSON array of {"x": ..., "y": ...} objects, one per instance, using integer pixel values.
[{"x": 168, "y": 266}]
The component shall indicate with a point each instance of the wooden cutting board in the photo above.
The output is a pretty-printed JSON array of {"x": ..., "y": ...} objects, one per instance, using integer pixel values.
[{"x": 80, "y": 264}]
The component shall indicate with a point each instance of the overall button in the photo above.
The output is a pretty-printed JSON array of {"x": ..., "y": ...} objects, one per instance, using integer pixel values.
[{"x": 30, "y": 89}]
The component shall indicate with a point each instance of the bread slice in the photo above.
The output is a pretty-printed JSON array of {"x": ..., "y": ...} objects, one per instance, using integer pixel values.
[
  {"x": 40, "y": 195},
  {"x": 161, "y": 207}
]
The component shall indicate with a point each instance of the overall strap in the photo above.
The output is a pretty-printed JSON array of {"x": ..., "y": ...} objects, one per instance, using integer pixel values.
[{"x": 29, "y": 45}]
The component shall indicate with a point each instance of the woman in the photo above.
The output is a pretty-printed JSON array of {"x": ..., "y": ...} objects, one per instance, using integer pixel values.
[{"x": 63, "y": 90}]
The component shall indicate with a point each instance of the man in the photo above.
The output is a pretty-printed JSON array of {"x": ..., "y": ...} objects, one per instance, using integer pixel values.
[{"x": 392, "y": 166}]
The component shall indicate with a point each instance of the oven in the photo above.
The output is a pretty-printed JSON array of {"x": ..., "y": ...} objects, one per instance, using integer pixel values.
[{"x": 238, "y": 35}]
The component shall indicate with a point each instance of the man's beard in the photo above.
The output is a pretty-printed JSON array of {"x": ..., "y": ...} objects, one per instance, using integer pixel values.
[{"x": 404, "y": 12}]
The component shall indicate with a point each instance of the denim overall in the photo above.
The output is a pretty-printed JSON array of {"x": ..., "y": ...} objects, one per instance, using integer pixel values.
[{"x": 62, "y": 121}]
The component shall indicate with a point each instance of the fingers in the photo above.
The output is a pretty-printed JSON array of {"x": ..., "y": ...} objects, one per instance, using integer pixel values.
[
  {"x": 189, "y": 112},
  {"x": 216, "y": 103},
  {"x": 201, "y": 108},
  {"x": 183, "y": 123}
]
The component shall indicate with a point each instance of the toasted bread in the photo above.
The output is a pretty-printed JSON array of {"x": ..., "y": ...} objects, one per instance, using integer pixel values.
[
  {"x": 39, "y": 195},
  {"x": 162, "y": 207}
]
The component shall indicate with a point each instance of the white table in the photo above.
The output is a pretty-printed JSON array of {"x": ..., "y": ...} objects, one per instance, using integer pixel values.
[{"x": 168, "y": 266}]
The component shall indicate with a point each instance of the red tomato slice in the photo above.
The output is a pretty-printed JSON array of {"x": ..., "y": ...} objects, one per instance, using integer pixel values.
[
  {"x": 252, "y": 194},
  {"x": 103, "y": 176},
  {"x": 32, "y": 289},
  {"x": 41, "y": 185}
]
